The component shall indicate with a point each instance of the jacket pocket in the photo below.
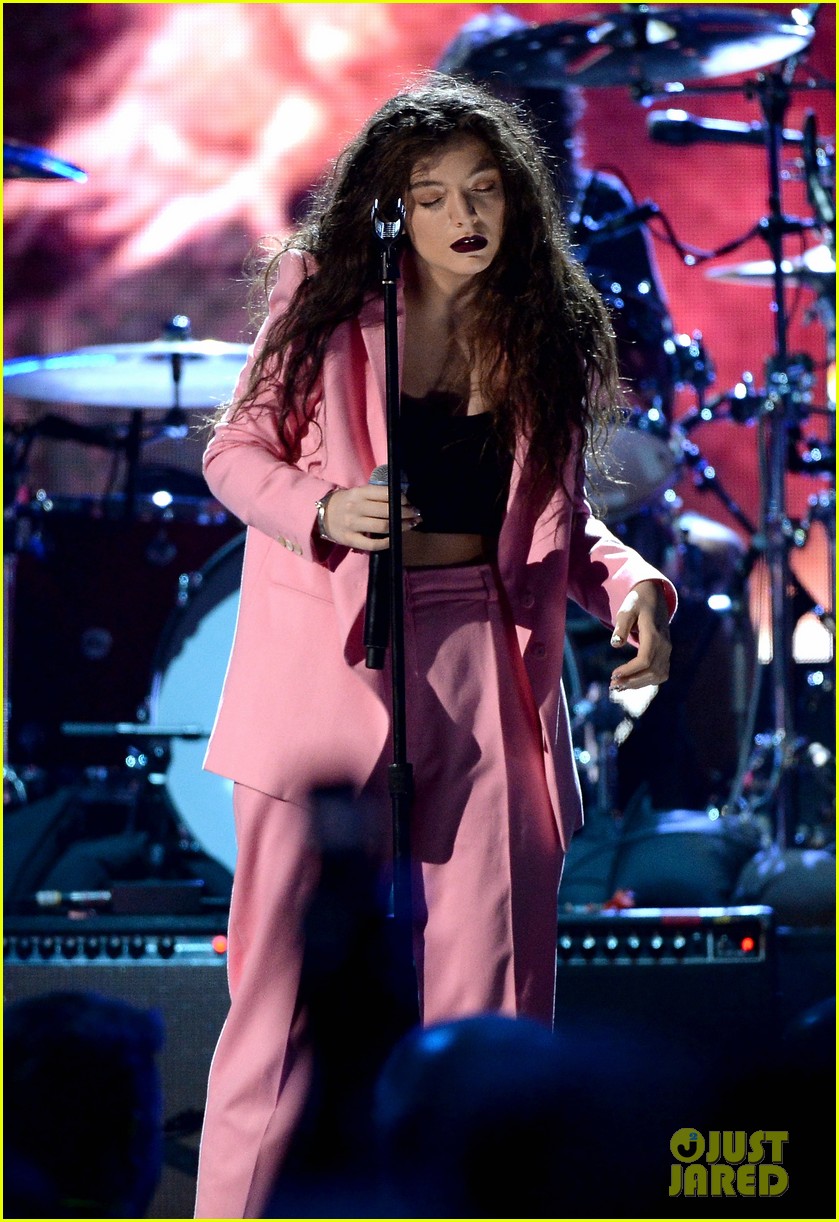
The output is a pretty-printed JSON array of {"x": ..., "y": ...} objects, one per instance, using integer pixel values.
[{"x": 283, "y": 568}]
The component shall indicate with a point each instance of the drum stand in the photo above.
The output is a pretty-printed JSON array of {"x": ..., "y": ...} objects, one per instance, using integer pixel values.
[
  {"x": 779, "y": 414},
  {"x": 142, "y": 786},
  {"x": 14, "y": 788},
  {"x": 15, "y": 447},
  {"x": 779, "y": 419}
]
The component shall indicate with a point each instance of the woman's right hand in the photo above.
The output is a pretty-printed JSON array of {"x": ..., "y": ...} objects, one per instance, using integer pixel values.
[{"x": 358, "y": 517}]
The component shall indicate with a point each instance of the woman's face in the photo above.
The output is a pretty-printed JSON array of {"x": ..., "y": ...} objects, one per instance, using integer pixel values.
[{"x": 455, "y": 211}]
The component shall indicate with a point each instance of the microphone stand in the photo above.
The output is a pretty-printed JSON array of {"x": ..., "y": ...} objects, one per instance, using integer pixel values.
[
  {"x": 132, "y": 460},
  {"x": 174, "y": 424},
  {"x": 400, "y": 772}
]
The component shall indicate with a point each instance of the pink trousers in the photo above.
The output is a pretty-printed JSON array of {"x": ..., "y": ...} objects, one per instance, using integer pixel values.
[{"x": 483, "y": 836}]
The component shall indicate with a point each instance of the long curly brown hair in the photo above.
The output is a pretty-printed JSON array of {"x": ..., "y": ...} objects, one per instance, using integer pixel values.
[{"x": 536, "y": 328}]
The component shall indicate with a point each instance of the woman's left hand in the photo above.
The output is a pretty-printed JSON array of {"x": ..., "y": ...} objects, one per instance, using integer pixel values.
[{"x": 645, "y": 610}]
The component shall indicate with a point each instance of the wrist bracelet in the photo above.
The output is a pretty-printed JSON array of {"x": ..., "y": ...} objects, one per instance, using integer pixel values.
[{"x": 321, "y": 504}]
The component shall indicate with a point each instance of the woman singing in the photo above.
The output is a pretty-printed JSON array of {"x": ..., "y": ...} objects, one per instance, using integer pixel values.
[{"x": 507, "y": 371}]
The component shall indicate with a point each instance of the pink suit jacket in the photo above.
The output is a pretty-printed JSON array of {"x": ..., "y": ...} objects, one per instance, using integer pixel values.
[{"x": 299, "y": 707}]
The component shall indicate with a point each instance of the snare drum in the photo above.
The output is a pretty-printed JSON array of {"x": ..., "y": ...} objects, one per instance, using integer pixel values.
[
  {"x": 642, "y": 457},
  {"x": 186, "y": 686},
  {"x": 639, "y": 462}
]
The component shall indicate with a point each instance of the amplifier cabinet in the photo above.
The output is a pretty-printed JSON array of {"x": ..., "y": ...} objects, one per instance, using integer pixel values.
[
  {"x": 176, "y": 966},
  {"x": 696, "y": 975}
]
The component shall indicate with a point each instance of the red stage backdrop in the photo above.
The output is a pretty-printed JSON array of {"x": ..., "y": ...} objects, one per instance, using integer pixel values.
[{"x": 198, "y": 125}]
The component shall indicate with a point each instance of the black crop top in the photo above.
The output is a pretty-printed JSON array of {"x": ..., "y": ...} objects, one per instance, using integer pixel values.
[{"x": 458, "y": 474}]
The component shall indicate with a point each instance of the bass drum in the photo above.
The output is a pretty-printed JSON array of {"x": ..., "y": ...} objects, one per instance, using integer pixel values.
[
  {"x": 90, "y": 596},
  {"x": 186, "y": 686},
  {"x": 185, "y": 692}
]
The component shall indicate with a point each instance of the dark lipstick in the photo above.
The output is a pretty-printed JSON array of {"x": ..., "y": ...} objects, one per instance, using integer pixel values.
[{"x": 465, "y": 246}]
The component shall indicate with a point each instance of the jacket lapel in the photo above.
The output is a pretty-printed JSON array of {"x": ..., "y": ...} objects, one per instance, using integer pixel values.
[{"x": 371, "y": 319}]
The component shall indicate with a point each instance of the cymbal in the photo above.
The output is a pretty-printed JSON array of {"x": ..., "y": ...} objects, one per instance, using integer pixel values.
[
  {"x": 26, "y": 161},
  {"x": 134, "y": 376},
  {"x": 815, "y": 269},
  {"x": 646, "y": 44}
]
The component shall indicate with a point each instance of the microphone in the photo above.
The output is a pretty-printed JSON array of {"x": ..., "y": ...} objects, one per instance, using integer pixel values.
[
  {"x": 377, "y": 610},
  {"x": 387, "y": 231},
  {"x": 616, "y": 225},
  {"x": 677, "y": 127}
]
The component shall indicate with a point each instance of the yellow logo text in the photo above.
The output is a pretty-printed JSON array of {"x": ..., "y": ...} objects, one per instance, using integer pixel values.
[{"x": 728, "y": 1163}]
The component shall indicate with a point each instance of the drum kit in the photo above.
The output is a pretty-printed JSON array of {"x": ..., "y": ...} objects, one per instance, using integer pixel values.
[{"x": 157, "y": 718}]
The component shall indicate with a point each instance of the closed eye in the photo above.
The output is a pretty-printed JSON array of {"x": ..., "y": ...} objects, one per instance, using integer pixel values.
[{"x": 488, "y": 189}]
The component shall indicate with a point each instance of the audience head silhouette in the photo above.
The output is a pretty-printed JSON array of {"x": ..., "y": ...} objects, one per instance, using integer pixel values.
[{"x": 83, "y": 1134}]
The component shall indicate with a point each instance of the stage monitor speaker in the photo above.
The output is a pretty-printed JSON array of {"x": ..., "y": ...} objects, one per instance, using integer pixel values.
[
  {"x": 702, "y": 977},
  {"x": 176, "y": 966}
]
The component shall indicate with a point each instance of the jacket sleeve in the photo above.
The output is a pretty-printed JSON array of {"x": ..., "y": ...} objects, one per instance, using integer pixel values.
[
  {"x": 602, "y": 570},
  {"x": 244, "y": 464}
]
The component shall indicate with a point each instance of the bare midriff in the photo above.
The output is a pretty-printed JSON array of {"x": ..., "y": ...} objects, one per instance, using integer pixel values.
[{"x": 430, "y": 550}]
